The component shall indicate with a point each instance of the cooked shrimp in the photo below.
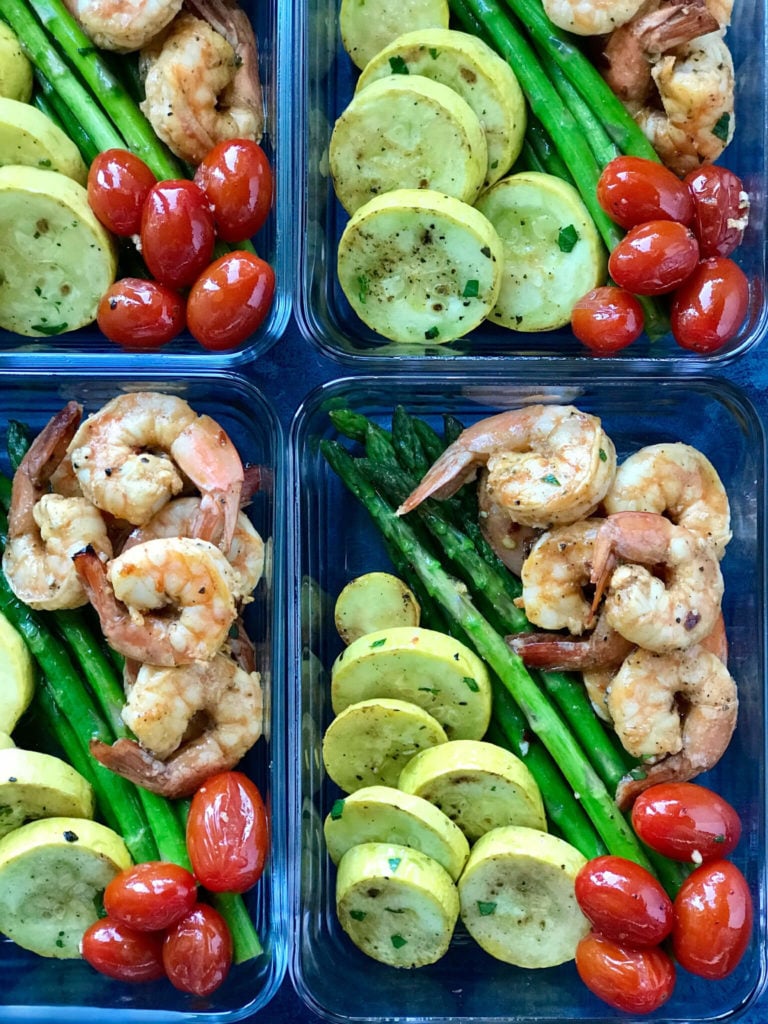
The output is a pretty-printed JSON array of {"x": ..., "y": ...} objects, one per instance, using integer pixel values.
[
  {"x": 198, "y": 89},
  {"x": 696, "y": 90},
  {"x": 511, "y": 541},
  {"x": 164, "y": 602},
  {"x": 179, "y": 518},
  {"x": 678, "y": 481},
  {"x": 590, "y": 17},
  {"x": 645, "y": 701},
  {"x": 658, "y": 614},
  {"x": 555, "y": 576},
  {"x": 546, "y": 464},
  {"x": 165, "y": 704},
  {"x": 44, "y": 529},
  {"x": 554, "y": 652},
  {"x": 123, "y": 25},
  {"x": 129, "y": 458}
]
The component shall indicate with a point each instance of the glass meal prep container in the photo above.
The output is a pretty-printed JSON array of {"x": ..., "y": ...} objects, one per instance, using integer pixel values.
[
  {"x": 335, "y": 541},
  {"x": 38, "y": 989},
  {"x": 272, "y": 23},
  {"x": 328, "y": 320}
]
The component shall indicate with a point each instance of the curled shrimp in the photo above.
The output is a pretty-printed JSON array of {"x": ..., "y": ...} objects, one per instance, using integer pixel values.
[
  {"x": 179, "y": 518},
  {"x": 129, "y": 458},
  {"x": 217, "y": 701},
  {"x": 123, "y": 25},
  {"x": 201, "y": 84},
  {"x": 678, "y": 481},
  {"x": 591, "y": 17},
  {"x": 164, "y": 602},
  {"x": 546, "y": 464},
  {"x": 46, "y": 529},
  {"x": 658, "y": 614},
  {"x": 645, "y": 701}
]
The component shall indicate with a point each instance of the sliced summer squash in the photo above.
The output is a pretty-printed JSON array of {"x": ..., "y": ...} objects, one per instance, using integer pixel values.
[
  {"x": 56, "y": 259},
  {"x": 375, "y": 600},
  {"x": 477, "y": 785},
  {"x": 517, "y": 897},
  {"x": 419, "y": 665},
  {"x": 372, "y": 740},
  {"x": 383, "y": 814},
  {"x": 473, "y": 70},
  {"x": 30, "y": 138},
  {"x": 15, "y": 68},
  {"x": 36, "y": 785},
  {"x": 552, "y": 251},
  {"x": 396, "y": 905},
  {"x": 406, "y": 131},
  {"x": 17, "y": 676},
  {"x": 368, "y": 25},
  {"x": 52, "y": 874},
  {"x": 420, "y": 267}
]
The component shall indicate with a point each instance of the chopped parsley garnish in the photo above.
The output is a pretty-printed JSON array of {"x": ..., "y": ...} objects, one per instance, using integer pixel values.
[
  {"x": 722, "y": 127},
  {"x": 398, "y": 65},
  {"x": 379, "y": 643},
  {"x": 398, "y": 941},
  {"x": 471, "y": 289},
  {"x": 567, "y": 238},
  {"x": 471, "y": 684},
  {"x": 550, "y": 478},
  {"x": 431, "y": 333},
  {"x": 357, "y": 915},
  {"x": 337, "y": 810},
  {"x": 485, "y": 908}
]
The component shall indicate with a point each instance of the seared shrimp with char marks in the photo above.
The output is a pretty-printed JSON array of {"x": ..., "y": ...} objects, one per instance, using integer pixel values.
[
  {"x": 163, "y": 602},
  {"x": 191, "y": 721},
  {"x": 658, "y": 613},
  {"x": 133, "y": 455},
  {"x": 45, "y": 529},
  {"x": 676, "y": 711},
  {"x": 545, "y": 464},
  {"x": 678, "y": 481}
]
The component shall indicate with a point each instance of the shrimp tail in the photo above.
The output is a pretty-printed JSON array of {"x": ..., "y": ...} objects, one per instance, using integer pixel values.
[
  {"x": 131, "y": 761},
  {"x": 555, "y": 653},
  {"x": 450, "y": 472}
]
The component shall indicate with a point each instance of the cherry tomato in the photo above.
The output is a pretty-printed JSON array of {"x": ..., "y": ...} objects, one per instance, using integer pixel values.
[
  {"x": 228, "y": 833},
  {"x": 177, "y": 232},
  {"x": 118, "y": 184},
  {"x": 623, "y": 901},
  {"x": 118, "y": 951},
  {"x": 230, "y": 300},
  {"x": 654, "y": 258},
  {"x": 686, "y": 821},
  {"x": 236, "y": 177},
  {"x": 150, "y": 896},
  {"x": 721, "y": 209},
  {"x": 627, "y": 978},
  {"x": 140, "y": 314},
  {"x": 708, "y": 308},
  {"x": 197, "y": 951},
  {"x": 607, "y": 319},
  {"x": 633, "y": 190},
  {"x": 713, "y": 920}
]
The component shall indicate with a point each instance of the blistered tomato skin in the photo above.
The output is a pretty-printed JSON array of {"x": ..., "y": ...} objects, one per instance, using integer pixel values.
[
  {"x": 114, "y": 949},
  {"x": 607, "y": 319},
  {"x": 632, "y": 191},
  {"x": 709, "y": 308},
  {"x": 151, "y": 895},
  {"x": 177, "y": 233},
  {"x": 654, "y": 258},
  {"x": 627, "y": 978},
  {"x": 140, "y": 315},
  {"x": 118, "y": 184},
  {"x": 623, "y": 901},
  {"x": 197, "y": 951},
  {"x": 713, "y": 920},
  {"x": 721, "y": 209},
  {"x": 236, "y": 177},
  {"x": 230, "y": 300},
  {"x": 686, "y": 821}
]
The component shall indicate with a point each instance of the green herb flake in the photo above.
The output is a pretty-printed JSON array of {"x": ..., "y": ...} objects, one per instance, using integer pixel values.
[
  {"x": 363, "y": 287},
  {"x": 357, "y": 915},
  {"x": 638, "y": 774},
  {"x": 49, "y": 329},
  {"x": 719, "y": 838},
  {"x": 567, "y": 238},
  {"x": 394, "y": 863},
  {"x": 550, "y": 478},
  {"x": 379, "y": 643},
  {"x": 493, "y": 165},
  {"x": 338, "y": 809},
  {"x": 398, "y": 941},
  {"x": 431, "y": 333},
  {"x": 471, "y": 289},
  {"x": 471, "y": 684},
  {"x": 434, "y": 53},
  {"x": 722, "y": 127},
  {"x": 398, "y": 66},
  {"x": 603, "y": 455},
  {"x": 486, "y": 908}
]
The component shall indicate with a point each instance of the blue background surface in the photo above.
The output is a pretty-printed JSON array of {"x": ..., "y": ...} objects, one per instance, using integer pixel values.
[{"x": 293, "y": 368}]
